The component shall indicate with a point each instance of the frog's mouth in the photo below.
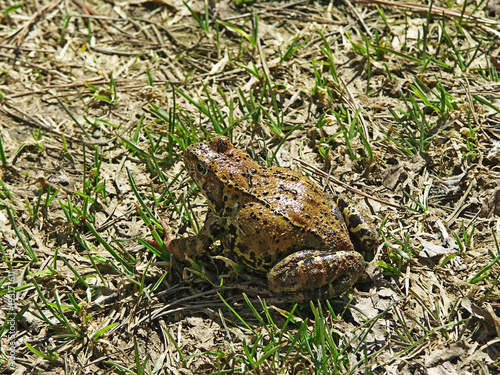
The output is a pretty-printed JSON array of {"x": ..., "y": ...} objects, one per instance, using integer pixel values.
[
  {"x": 189, "y": 161},
  {"x": 213, "y": 191}
]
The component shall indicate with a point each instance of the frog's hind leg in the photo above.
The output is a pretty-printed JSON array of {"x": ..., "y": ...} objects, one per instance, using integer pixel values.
[
  {"x": 362, "y": 233},
  {"x": 313, "y": 275}
]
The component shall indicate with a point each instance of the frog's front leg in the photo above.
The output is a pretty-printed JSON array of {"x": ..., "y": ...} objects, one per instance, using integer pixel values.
[
  {"x": 313, "y": 275},
  {"x": 190, "y": 248}
]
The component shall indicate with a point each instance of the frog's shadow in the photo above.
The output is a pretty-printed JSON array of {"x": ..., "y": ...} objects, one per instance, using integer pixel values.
[{"x": 245, "y": 297}]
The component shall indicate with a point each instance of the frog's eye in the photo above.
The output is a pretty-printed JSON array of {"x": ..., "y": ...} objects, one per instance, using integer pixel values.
[{"x": 200, "y": 167}]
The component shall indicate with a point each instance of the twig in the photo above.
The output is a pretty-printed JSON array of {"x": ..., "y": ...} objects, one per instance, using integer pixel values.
[
  {"x": 360, "y": 18},
  {"x": 9, "y": 109},
  {"x": 23, "y": 30},
  {"x": 435, "y": 10},
  {"x": 344, "y": 185},
  {"x": 91, "y": 11}
]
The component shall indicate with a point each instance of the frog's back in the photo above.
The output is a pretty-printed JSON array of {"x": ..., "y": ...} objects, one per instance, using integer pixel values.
[{"x": 315, "y": 219}]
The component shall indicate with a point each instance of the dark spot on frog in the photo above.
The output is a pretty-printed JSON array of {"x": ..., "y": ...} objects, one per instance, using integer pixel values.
[
  {"x": 268, "y": 259},
  {"x": 214, "y": 227}
]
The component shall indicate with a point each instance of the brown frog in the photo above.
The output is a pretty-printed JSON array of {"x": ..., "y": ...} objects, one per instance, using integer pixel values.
[{"x": 276, "y": 221}]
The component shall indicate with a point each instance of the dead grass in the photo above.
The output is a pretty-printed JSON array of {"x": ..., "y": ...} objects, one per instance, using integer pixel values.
[{"x": 99, "y": 98}]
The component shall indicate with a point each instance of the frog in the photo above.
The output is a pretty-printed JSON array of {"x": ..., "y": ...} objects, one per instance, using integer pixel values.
[{"x": 276, "y": 222}]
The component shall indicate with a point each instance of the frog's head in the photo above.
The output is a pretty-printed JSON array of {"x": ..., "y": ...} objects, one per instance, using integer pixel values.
[{"x": 218, "y": 169}]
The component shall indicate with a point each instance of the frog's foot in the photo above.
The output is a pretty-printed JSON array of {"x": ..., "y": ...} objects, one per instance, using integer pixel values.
[
  {"x": 263, "y": 292},
  {"x": 314, "y": 275},
  {"x": 188, "y": 247},
  {"x": 179, "y": 252},
  {"x": 363, "y": 235},
  {"x": 167, "y": 240},
  {"x": 255, "y": 289}
]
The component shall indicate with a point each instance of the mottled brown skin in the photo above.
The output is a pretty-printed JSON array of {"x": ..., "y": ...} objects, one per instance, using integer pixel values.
[{"x": 273, "y": 220}]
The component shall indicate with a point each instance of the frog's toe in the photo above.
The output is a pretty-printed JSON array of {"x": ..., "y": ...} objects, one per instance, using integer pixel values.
[{"x": 167, "y": 239}]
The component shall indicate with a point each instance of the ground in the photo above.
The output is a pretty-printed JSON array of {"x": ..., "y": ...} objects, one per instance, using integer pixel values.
[{"x": 394, "y": 104}]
